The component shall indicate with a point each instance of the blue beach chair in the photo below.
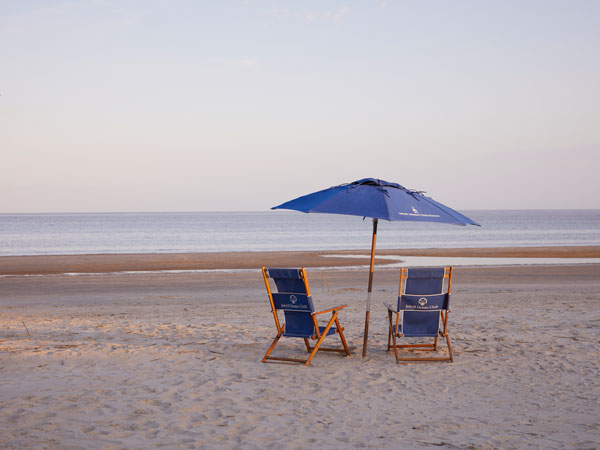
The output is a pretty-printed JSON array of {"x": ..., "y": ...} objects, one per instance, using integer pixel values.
[
  {"x": 293, "y": 298},
  {"x": 422, "y": 312}
]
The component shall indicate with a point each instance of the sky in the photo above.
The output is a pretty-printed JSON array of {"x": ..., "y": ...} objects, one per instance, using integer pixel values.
[{"x": 126, "y": 105}]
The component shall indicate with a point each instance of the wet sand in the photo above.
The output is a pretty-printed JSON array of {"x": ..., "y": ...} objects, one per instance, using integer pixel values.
[{"x": 56, "y": 264}]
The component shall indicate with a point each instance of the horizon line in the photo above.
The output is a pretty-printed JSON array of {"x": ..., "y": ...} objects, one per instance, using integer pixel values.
[{"x": 261, "y": 211}]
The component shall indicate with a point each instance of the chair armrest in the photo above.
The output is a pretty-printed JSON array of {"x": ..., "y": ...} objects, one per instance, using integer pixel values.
[
  {"x": 390, "y": 307},
  {"x": 337, "y": 308}
]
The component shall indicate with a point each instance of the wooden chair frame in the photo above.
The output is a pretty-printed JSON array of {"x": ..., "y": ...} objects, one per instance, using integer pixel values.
[
  {"x": 319, "y": 337},
  {"x": 393, "y": 331}
]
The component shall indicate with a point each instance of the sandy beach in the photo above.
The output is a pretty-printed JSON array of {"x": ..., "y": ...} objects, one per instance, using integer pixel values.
[{"x": 126, "y": 360}]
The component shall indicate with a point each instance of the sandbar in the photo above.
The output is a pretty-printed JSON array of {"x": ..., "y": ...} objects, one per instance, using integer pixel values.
[{"x": 103, "y": 263}]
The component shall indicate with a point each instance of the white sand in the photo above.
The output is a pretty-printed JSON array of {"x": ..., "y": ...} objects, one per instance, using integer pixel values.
[{"x": 111, "y": 364}]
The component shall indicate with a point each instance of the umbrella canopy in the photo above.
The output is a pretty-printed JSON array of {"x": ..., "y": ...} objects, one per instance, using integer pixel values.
[{"x": 378, "y": 199}]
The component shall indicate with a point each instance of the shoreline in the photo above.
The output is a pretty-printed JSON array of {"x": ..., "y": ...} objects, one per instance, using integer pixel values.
[{"x": 157, "y": 262}]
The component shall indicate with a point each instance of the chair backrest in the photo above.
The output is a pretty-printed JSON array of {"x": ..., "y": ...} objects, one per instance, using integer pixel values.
[
  {"x": 293, "y": 298},
  {"x": 421, "y": 298}
]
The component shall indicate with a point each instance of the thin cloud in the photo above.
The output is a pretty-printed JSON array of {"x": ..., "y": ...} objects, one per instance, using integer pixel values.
[
  {"x": 248, "y": 62},
  {"x": 337, "y": 17},
  {"x": 334, "y": 16}
]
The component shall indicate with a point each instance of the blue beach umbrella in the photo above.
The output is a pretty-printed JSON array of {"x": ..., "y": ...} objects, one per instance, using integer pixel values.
[{"x": 378, "y": 199}]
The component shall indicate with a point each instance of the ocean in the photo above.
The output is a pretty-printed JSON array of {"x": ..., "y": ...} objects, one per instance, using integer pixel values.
[{"x": 56, "y": 234}]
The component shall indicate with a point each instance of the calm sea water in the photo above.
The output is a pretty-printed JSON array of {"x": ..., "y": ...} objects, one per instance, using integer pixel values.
[{"x": 44, "y": 234}]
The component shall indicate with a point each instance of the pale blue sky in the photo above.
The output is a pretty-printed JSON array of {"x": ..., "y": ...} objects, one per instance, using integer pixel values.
[{"x": 242, "y": 105}]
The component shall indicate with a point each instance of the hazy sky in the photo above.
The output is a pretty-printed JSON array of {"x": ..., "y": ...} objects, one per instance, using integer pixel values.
[{"x": 242, "y": 105}]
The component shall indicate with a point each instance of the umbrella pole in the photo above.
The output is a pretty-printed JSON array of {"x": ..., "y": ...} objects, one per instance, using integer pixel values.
[{"x": 366, "y": 336}]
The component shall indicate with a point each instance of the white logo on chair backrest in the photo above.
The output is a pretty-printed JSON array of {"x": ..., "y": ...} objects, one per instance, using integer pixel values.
[
  {"x": 422, "y": 301},
  {"x": 293, "y": 299}
]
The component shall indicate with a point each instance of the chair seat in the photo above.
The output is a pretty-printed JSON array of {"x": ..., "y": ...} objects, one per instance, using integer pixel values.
[
  {"x": 331, "y": 331},
  {"x": 421, "y": 334}
]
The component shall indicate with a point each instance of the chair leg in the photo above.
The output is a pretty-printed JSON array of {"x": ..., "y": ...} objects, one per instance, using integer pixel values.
[
  {"x": 320, "y": 341},
  {"x": 389, "y": 331},
  {"x": 342, "y": 337},
  {"x": 308, "y": 347},
  {"x": 393, "y": 335},
  {"x": 435, "y": 342},
  {"x": 449, "y": 348},
  {"x": 273, "y": 344}
]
